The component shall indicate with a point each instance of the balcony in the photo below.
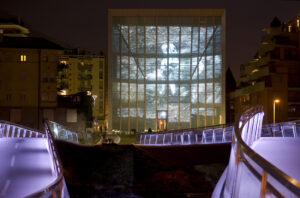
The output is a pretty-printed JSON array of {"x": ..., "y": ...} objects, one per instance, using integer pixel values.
[
  {"x": 266, "y": 48},
  {"x": 84, "y": 77},
  {"x": 87, "y": 67},
  {"x": 86, "y": 88},
  {"x": 250, "y": 89},
  {"x": 255, "y": 64},
  {"x": 263, "y": 71}
]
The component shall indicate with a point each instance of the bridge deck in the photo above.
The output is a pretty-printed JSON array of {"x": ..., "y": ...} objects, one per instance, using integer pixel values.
[
  {"x": 282, "y": 153},
  {"x": 25, "y": 166}
]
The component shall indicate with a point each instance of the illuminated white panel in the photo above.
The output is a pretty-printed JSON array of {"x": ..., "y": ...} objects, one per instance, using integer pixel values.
[{"x": 174, "y": 67}]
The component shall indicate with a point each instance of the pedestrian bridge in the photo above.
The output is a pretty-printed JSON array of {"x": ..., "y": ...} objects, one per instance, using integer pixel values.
[
  {"x": 264, "y": 159},
  {"x": 29, "y": 163},
  {"x": 262, "y": 164}
]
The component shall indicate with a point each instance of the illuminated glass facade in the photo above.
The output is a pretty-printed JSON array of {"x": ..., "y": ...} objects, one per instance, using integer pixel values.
[{"x": 166, "y": 72}]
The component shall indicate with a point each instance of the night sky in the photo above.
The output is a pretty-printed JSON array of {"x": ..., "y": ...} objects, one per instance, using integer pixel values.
[{"x": 83, "y": 23}]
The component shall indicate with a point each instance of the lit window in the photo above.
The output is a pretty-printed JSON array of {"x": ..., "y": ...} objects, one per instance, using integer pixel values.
[
  {"x": 63, "y": 92},
  {"x": 63, "y": 62},
  {"x": 82, "y": 63},
  {"x": 289, "y": 28},
  {"x": 298, "y": 22},
  {"x": 23, "y": 58}
]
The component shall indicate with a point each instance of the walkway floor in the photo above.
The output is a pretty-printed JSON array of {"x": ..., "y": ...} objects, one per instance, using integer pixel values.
[
  {"x": 25, "y": 166},
  {"x": 281, "y": 152}
]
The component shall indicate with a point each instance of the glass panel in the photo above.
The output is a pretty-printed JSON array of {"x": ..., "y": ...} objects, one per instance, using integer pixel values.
[{"x": 166, "y": 64}]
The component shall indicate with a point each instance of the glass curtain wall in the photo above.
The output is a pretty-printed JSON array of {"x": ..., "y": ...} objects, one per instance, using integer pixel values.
[{"x": 166, "y": 64}]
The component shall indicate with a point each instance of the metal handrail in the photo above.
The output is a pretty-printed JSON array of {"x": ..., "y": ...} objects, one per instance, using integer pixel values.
[
  {"x": 66, "y": 131},
  {"x": 242, "y": 148},
  {"x": 189, "y": 129},
  {"x": 18, "y": 131},
  {"x": 59, "y": 183},
  {"x": 213, "y": 134},
  {"x": 56, "y": 185}
]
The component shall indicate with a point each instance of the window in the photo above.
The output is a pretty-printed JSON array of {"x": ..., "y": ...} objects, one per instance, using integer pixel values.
[
  {"x": 63, "y": 62},
  {"x": 71, "y": 115},
  {"x": 23, "y": 96},
  {"x": 101, "y": 63},
  {"x": 289, "y": 28},
  {"x": 298, "y": 22},
  {"x": 15, "y": 115},
  {"x": 8, "y": 97},
  {"x": 45, "y": 77},
  {"x": 23, "y": 58}
]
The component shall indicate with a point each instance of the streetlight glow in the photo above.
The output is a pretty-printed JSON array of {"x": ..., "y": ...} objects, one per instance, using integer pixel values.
[{"x": 274, "y": 102}]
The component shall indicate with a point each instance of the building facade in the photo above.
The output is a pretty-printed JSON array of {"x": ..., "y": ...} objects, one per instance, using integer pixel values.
[
  {"x": 28, "y": 79},
  {"x": 166, "y": 69},
  {"x": 84, "y": 73},
  {"x": 274, "y": 73}
]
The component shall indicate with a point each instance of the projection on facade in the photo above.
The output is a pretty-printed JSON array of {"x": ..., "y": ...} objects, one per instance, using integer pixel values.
[{"x": 166, "y": 73}]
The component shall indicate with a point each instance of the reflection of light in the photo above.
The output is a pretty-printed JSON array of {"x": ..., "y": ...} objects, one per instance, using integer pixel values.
[
  {"x": 172, "y": 48},
  {"x": 172, "y": 87},
  {"x": 162, "y": 115},
  {"x": 159, "y": 73},
  {"x": 151, "y": 76},
  {"x": 201, "y": 66},
  {"x": 63, "y": 92},
  {"x": 55, "y": 131}
]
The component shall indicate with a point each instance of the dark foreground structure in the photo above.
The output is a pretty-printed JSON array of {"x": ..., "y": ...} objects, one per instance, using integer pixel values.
[{"x": 124, "y": 171}]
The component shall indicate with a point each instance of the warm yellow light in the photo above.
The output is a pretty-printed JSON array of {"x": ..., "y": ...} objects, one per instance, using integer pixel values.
[
  {"x": 23, "y": 58},
  {"x": 255, "y": 70},
  {"x": 276, "y": 101},
  {"x": 89, "y": 93},
  {"x": 63, "y": 62},
  {"x": 63, "y": 92}
]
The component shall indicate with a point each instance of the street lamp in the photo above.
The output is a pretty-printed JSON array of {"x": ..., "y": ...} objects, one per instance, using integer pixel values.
[
  {"x": 274, "y": 102},
  {"x": 94, "y": 98}
]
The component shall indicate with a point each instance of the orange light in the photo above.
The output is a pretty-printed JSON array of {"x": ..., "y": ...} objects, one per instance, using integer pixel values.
[{"x": 276, "y": 101}]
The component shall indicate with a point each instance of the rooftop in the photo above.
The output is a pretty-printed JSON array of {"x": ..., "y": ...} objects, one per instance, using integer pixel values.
[{"x": 28, "y": 42}]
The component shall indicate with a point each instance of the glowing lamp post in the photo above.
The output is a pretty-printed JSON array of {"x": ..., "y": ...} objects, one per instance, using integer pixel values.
[
  {"x": 94, "y": 98},
  {"x": 274, "y": 105}
]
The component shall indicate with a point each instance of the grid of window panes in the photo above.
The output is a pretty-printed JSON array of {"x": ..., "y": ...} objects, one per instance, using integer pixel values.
[{"x": 171, "y": 64}]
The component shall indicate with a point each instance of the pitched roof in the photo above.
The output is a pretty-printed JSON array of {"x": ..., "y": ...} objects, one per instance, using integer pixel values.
[
  {"x": 28, "y": 42},
  {"x": 275, "y": 22}
]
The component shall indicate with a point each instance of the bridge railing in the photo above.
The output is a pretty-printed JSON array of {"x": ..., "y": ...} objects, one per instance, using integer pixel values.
[
  {"x": 12, "y": 130},
  {"x": 247, "y": 168},
  {"x": 58, "y": 187},
  {"x": 283, "y": 129},
  {"x": 60, "y": 132},
  {"x": 205, "y": 135}
]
